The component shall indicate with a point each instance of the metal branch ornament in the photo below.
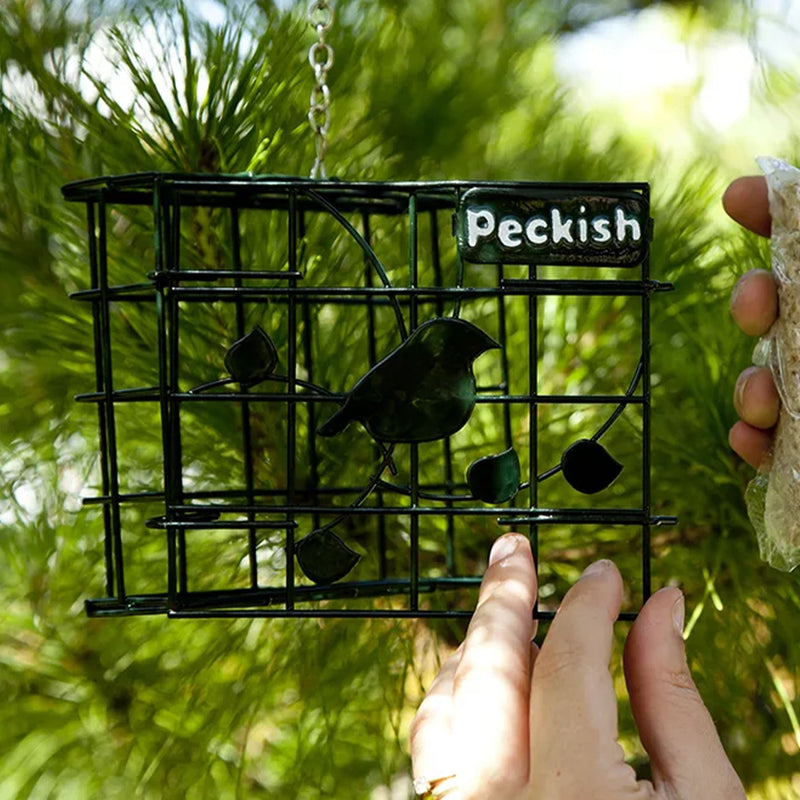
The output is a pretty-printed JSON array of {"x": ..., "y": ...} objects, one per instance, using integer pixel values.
[
  {"x": 495, "y": 479},
  {"x": 422, "y": 391},
  {"x": 324, "y": 557},
  {"x": 252, "y": 358},
  {"x": 588, "y": 467}
]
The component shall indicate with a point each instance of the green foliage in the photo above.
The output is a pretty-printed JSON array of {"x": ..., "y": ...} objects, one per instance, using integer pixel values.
[{"x": 423, "y": 90}]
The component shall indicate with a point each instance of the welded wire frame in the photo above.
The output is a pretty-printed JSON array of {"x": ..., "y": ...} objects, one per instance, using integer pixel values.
[{"x": 280, "y": 514}]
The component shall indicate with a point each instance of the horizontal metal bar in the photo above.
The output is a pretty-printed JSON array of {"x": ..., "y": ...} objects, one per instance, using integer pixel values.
[
  {"x": 141, "y": 185},
  {"x": 508, "y": 516},
  {"x": 149, "y": 496},
  {"x": 149, "y": 395},
  {"x": 135, "y": 394},
  {"x": 585, "y": 287},
  {"x": 543, "y": 288},
  {"x": 519, "y": 516},
  {"x": 324, "y": 613},
  {"x": 170, "y": 276},
  {"x": 146, "y": 179},
  {"x": 599, "y": 516},
  {"x": 98, "y": 608},
  {"x": 543, "y": 616},
  {"x": 268, "y": 595},
  {"x": 130, "y": 292},
  {"x": 134, "y": 497},
  {"x": 132, "y": 605},
  {"x": 162, "y": 524},
  {"x": 380, "y": 295},
  {"x": 251, "y": 602}
]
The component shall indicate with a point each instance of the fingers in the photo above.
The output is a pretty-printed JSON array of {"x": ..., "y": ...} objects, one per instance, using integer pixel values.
[
  {"x": 573, "y": 703},
  {"x": 754, "y": 306},
  {"x": 747, "y": 202},
  {"x": 473, "y": 720},
  {"x": 674, "y": 725},
  {"x": 491, "y": 686},
  {"x": 749, "y": 443},
  {"x": 756, "y": 399},
  {"x": 754, "y": 302},
  {"x": 432, "y": 753}
]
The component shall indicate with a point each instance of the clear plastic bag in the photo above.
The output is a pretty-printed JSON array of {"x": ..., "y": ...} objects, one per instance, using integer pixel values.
[{"x": 773, "y": 496}]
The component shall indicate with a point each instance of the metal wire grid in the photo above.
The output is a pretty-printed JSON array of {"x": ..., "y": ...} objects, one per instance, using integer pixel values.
[{"x": 170, "y": 288}]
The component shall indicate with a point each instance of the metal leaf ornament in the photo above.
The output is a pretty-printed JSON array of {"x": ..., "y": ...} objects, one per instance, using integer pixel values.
[
  {"x": 422, "y": 391},
  {"x": 324, "y": 557},
  {"x": 495, "y": 479},
  {"x": 588, "y": 467},
  {"x": 252, "y": 358}
]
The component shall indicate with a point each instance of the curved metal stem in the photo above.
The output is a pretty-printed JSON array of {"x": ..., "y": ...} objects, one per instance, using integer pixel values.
[
  {"x": 368, "y": 251},
  {"x": 375, "y": 481},
  {"x": 312, "y": 387},
  {"x": 615, "y": 415}
]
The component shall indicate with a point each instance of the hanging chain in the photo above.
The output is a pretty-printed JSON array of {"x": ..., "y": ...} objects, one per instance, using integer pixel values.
[{"x": 320, "y": 56}]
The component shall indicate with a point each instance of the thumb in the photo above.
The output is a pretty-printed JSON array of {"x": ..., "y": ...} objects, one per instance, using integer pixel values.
[{"x": 674, "y": 725}]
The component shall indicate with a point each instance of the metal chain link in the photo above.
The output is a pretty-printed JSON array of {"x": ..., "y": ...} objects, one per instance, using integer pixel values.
[{"x": 320, "y": 57}]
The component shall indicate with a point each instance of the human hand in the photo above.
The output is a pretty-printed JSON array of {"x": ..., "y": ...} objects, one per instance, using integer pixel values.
[
  {"x": 504, "y": 720},
  {"x": 754, "y": 306}
]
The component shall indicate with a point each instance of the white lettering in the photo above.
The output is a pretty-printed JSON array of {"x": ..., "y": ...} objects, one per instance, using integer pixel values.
[
  {"x": 601, "y": 232},
  {"x": 626, "y": 223},
  {"x": 554, "y": 228},
  {"x": 508, "y": 232},
  {"x": 561, "y": 229},
  {"x": 532, "y": 228},
  {"x": 480, "y": 224}
]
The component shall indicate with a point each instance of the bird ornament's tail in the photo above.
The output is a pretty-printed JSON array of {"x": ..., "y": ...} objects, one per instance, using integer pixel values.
[{"x": 336, "y": 423}]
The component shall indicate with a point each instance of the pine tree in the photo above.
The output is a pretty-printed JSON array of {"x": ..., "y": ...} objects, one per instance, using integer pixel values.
[{"x": 306, "y": 709}]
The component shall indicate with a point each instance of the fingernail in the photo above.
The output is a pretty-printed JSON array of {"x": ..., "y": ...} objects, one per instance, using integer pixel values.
[
  {"x": 741, "y": 384},
  {"x": 678, "y": 614},
  {"x": 597, "y": 567},
  {"x": 503, "y": 548}
]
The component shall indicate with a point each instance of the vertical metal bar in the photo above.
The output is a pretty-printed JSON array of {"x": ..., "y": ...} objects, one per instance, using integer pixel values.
[
  {"x": 173, "y": 343},
  {"x": 436, "y": 261},
  {"x": 505, "y": 381},
  {"x": 533, "y": 413},
  {"x": 459, "y": 265},
  {"x": 108, "y": 384},
  {"x": 412, "y": 259},
  {"x": 311, "y": 408},
  {"x": 247, "y": 438},
  {"x": 291, "y": 411},
  {"x": 383, "y": 567},
  {"x": 414, "y": 460},
  {"x": 368, "y": 277},
  {"x": 161, "y": 239},
  {"x": 450, "y": 548},
  {"x": 97, "y": 327},
  {"x": 646, "y": 400}
]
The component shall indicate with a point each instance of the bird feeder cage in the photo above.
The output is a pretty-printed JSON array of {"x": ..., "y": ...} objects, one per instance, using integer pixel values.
[{"x": 322, "y": 398}]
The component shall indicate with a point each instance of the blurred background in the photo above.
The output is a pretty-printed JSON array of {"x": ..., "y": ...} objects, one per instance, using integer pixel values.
[{"x": 681, "y": 94}]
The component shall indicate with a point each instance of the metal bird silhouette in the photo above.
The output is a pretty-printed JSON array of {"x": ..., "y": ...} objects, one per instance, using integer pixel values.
[{"x": 423, "y": 390}]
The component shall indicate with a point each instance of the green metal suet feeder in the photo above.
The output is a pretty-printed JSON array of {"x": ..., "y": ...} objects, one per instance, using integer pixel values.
[{"x": 350, "y": 387}]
